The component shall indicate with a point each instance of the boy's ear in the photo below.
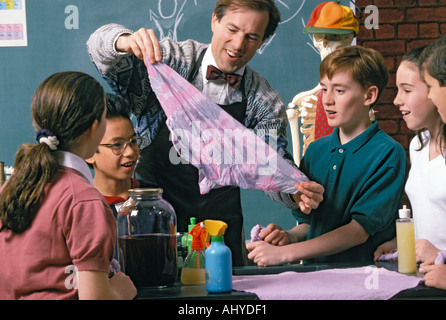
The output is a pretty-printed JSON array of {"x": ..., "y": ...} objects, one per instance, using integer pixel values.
[
  {"x": 90, "y": 161},
  {"x": 371, "y": 95}
]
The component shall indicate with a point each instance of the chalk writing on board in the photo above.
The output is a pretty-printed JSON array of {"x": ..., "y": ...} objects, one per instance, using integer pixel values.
[
  {"x": 289, "y": 9},
  {"x": 167, "y": 22},
  {"x": 310, "y": 36}
]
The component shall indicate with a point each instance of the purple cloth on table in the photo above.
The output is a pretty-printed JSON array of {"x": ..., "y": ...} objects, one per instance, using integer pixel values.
[
  {"x": 255, "y": 232},
  {"x": 224, "y": 151},
  {"x": 441, "y": 258},
  {"x": 392, "y": 255},
  {"x": 365, "y": 283},
  {"x": 115, "y": 267}
]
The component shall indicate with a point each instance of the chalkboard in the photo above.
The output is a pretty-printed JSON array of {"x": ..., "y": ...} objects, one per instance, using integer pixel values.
[{"x": 57, "y": 34}]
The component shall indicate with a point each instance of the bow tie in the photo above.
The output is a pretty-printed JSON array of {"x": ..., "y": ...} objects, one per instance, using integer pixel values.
[{"x": 232, "y": 79}]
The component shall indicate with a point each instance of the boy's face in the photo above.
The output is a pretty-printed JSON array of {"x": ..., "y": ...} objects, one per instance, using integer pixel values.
[
  {"x": 109, "y": 166},
  {"x": 237, "y": 37},
  {"x": 346, "y": 103},
  {"x": 437, "y": 94},
  {"x": 417, "y": 109}
]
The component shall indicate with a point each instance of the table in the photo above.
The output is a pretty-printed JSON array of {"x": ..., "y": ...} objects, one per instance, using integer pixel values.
[{"x": 179, "y": 292}]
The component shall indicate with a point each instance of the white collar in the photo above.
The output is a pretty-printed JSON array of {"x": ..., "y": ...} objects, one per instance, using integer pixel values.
[
  {"x": 208, "y": 59},
  {"x": 70, "y": 160}
]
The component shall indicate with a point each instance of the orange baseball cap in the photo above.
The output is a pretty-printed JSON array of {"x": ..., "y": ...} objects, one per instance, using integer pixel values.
[{"x": 331, "y": 17}]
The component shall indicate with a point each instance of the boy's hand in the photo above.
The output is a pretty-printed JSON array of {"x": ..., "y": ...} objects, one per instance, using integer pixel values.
[
  {"x": 264, "y": 254},
  {"x": 385, "y": 248},
  {"x": 309, "y": 196},
  {"x": 275, "y": 235}
]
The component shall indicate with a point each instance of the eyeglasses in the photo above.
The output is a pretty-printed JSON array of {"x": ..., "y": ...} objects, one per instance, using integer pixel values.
[{"x": 119, "y": 145}]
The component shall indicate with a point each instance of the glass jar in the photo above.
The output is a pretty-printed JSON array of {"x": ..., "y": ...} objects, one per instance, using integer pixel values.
[{"x": 147, "y": 249}]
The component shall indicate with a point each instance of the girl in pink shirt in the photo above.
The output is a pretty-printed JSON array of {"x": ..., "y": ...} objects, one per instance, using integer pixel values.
[{"x": 57, "y": 233}]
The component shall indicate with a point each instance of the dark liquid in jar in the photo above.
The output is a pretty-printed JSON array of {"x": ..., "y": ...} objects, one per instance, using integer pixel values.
[{"x": 149, "y": 260}]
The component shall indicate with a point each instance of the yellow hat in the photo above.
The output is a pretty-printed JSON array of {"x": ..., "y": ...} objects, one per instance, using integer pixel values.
[{"x": 332, "y": 18}]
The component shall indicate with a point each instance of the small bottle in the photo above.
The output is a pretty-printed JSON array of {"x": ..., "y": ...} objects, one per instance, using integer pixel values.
[
  {"x": 192, "y": 223},
  {"x": 405, "y": 235},
  {"x": 218, "y": 259},
  {"x": 193, "y": 272}
]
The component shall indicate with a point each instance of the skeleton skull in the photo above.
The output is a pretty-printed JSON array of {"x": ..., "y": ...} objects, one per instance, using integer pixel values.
[{"x": 327, "y": 43}]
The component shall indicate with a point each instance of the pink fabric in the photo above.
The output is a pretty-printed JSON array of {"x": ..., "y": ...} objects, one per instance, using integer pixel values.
[
  {"x": 224, "y": 151},
  {"x": 363, "y": 283},
  {"x": 392, "y": 255},
  {"x": 74, "y": 226},
  {"x": 255, "y": 232},
  {"x": 441, "y": 257}
]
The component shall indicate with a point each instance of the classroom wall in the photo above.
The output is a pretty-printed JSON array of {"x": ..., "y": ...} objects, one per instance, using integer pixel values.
[{"x": 403, "y": 26}]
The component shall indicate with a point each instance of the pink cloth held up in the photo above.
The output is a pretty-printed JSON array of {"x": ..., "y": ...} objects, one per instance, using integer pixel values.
[{"x": 224, "y": 151}]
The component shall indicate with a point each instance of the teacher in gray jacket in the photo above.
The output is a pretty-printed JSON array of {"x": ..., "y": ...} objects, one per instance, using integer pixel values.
[{"x": 239, "y": 28}]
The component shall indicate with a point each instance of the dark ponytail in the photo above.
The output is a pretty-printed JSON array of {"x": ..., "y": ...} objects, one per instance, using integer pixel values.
[{"x": 66, "y": 104}]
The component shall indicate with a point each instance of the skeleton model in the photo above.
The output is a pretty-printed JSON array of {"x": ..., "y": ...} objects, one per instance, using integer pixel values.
[{"x": 332, "y": 26}]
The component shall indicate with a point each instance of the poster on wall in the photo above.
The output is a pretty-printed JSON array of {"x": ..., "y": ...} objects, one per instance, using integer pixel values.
[{"x": 13, "y": 31}]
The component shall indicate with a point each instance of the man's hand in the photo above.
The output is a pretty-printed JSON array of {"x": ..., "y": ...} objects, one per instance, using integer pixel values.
[
  {"x": 143, "y": 44},
  {"x": 310, "y": 195}
]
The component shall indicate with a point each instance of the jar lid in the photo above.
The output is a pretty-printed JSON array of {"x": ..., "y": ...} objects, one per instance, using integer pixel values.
[{"x": 146, "y": 191}]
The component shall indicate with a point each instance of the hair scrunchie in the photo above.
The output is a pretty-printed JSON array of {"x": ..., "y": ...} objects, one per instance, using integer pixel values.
[{"x": 47, "y": 137}]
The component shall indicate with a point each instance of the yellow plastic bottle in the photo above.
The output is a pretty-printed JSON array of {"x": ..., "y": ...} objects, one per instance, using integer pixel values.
[{"x": 405, "y": 235}]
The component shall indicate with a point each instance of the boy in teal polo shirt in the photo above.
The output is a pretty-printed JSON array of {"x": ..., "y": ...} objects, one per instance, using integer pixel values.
[{"x": 361, "y": 168}]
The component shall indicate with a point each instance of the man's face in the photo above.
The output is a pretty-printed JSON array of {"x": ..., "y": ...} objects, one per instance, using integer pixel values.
[{"x": 237, "y": 37}]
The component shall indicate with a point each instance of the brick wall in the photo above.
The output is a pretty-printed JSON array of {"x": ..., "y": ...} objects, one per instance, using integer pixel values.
[{"x": 403, "y": 25}]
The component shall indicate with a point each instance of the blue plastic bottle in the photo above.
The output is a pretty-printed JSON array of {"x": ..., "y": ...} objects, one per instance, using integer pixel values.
[{"x": 218, "y": 265}]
